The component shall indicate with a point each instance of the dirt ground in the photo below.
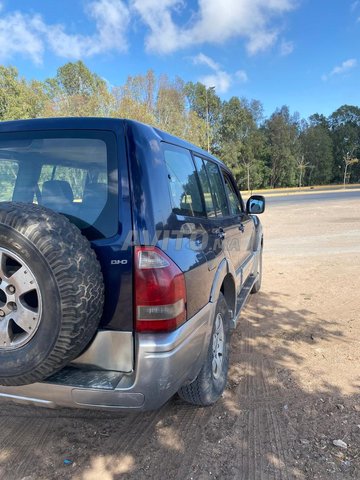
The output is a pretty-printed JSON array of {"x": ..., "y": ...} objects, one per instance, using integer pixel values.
[{"x": 294, "y": 384}]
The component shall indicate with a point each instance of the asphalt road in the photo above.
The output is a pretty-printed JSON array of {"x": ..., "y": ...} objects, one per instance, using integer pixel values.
[{"x": 313, "y": 197}]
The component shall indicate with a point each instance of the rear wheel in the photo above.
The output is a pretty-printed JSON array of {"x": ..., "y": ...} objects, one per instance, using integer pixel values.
[{"x": 209, "y": 385}]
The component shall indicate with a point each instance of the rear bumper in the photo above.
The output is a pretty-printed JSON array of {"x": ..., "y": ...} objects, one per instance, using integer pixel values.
[{"x": 164, "y": 362}]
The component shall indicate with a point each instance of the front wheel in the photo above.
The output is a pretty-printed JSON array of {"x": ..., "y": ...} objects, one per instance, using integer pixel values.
[
  {"x": 210, "y": 383},
  {"x": 257, "y": 285}
]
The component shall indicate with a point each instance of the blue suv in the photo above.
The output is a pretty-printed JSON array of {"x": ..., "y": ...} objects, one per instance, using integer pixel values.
[{"x": 126, "y": 256}]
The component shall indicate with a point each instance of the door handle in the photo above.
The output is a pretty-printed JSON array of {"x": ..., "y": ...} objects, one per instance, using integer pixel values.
[
  {"x": 220, "y": 233},
  {"x": 241, "y": 228}
]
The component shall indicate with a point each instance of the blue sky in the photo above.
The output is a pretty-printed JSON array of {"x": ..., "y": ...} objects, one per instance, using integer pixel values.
[{"x": 301, "y": 53}]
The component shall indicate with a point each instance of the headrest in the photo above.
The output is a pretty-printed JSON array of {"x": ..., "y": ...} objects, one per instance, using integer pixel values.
[{"x": 56, "y": 191}]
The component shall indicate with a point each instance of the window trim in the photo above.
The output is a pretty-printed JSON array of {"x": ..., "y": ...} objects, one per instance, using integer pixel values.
[
  {"x": 175, "y": 147},
  {"x": 208, "y": 179},
  {"x": 226, "y": 174},
  {"x": 222, "y": 169},
  {"x": 219, "y": 168}
]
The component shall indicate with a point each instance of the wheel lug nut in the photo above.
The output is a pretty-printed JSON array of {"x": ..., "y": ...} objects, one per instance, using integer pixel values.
[
  {"x": 11, "y": 289},
  {"x": 2, "y": 313}
]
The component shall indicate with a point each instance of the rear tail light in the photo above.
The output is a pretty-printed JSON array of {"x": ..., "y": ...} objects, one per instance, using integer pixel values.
[{"x": 160, "y": 293}]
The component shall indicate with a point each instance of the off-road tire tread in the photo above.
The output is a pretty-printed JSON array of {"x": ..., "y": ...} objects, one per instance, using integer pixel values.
[{"x": 78, "y": 277}]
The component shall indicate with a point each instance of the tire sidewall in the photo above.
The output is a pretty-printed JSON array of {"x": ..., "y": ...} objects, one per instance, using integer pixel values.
[
  {"x": 214, "y": 387},
  {"x": 25, "y": 359},
  {"x": 257, "y": 284},
  {"x": 260, "y": 270}
]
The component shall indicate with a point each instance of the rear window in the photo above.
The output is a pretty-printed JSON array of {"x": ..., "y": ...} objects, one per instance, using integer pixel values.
[
  {"x": 184, "y": 185},
  {"x": 71, "y": 172}
]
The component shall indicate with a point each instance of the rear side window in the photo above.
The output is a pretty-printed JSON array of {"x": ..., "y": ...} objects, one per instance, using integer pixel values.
[
  {"x": 217, "y": 188},
  {"x": 184, "y": 183},
  {"x": 205, "y": 185},
  {"x": 8, "y": 174},
  {"x": 234, "y": 201}
]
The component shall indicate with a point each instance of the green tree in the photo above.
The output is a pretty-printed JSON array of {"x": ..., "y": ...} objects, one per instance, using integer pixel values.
[
  {"x": 19, "y": 99},
  {"x": 136, "y": 98},
  {"x": 170, "y": 105},
  {"x": 207, "y": 105},
  {"x": 241, "y": 142},
  {"x": 76, "y": 91},
  {"x": 160, "y": 102},
  {"x": 77, "y": 79},
  {"x": 282, "y": 147},
  {"x": 349, "y": 160},
  {"x": 317, "y": 148},
  {"x": 345, "y": 132}
]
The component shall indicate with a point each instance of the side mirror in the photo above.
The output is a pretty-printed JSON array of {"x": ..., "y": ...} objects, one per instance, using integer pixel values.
[{"x": 255, "y": 204}]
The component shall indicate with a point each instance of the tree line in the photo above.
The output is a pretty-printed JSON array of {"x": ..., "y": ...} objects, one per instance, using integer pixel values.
[{"x": 282, "y": 150}]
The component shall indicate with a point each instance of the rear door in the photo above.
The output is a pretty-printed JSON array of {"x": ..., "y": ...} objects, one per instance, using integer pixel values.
[
  {"x": 214, "y": 227},
  {"x": 235, "y": 241},
  {"x": 244, "y": 224},
  {"x": 225, "y": 234}
]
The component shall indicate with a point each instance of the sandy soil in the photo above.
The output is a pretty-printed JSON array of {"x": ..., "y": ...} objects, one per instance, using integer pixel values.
[{"x": 293, "y": 386}]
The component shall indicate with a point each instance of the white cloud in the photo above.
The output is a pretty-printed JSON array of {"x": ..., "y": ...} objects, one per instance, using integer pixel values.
[
  {"x": 202, "y": 59},
  {"x": 111, "y": 20},
  {"x": 242, "y": 76},
  {"x": 344, "y": 67},
  {"x": 219, "y": 78},
  {"x": 19, "y": 35},
  {"x": 157, "y": 16},
  {"x": 212, "y": 23},
  {"x": 286, "y": 48},
  {"x": 260, "y": 41},
  {"x": 28, "y": 34},
  {"x": 170, "y": 25}
]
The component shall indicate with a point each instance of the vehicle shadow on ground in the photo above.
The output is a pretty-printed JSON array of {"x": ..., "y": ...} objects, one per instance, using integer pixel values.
[{"x": 265, "y": 426}]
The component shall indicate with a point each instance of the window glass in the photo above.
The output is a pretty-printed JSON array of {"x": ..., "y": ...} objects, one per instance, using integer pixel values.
[
  {"x": 8, "y": 174},
  {"x": 76, "y": 177},
  {"x": 71, "y": 172},
  {"x": 205, "y": 185},
  {"x": 184, "y": 183},
  {"x": 234, "y": 201},
  {"x": 217, "y": 188}
]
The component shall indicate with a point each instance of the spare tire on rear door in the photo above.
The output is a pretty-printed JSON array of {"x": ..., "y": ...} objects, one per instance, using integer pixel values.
[{"x": 51, "y": 293}]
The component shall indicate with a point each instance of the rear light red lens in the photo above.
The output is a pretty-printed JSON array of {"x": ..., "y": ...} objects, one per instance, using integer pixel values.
[{"x": 160, "y": 292}]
